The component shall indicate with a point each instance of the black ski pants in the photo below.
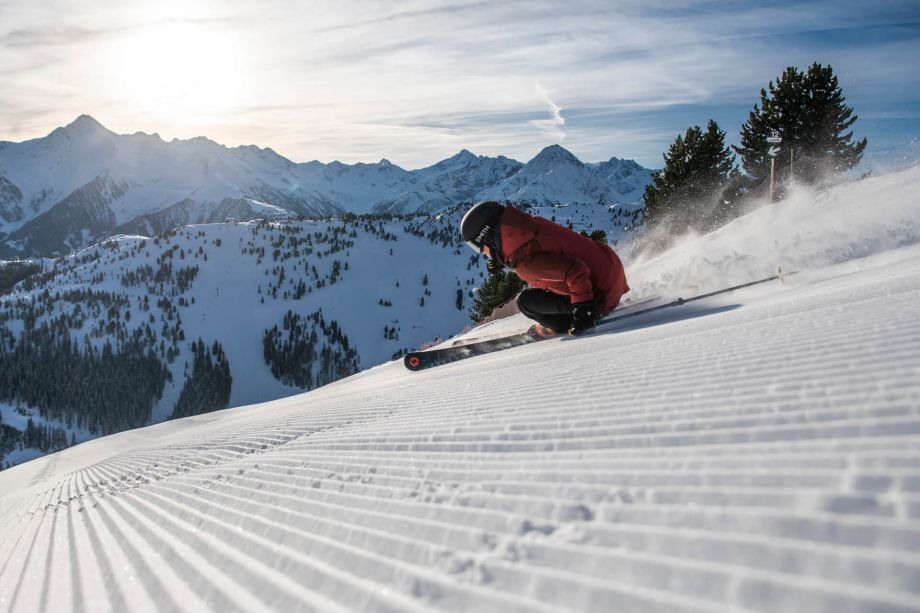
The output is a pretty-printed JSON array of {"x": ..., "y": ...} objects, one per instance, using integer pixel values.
[{"x": 552, "y": 310}]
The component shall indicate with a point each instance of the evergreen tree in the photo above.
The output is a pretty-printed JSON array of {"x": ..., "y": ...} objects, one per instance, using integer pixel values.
[
  {"x": 208, "y": 387},
  {"x": 295, "y": 356},
  {"x": 494, "y": 292},
  {"x": 596, "y": 235},
  {"x": 697, "y": 182},
  {"x": 12, "y": 273},
  {"x": 807, "y": 111}
]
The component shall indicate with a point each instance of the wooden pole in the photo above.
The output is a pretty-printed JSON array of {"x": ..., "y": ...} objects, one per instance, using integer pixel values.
[{"x": 772, "y": 159}]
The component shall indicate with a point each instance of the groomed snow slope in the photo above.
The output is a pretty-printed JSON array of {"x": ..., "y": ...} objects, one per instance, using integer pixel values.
[{"x": 755, "y": 451}]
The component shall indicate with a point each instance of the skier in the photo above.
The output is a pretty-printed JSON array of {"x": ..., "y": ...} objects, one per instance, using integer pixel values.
[{"x": 573, "y": 279}]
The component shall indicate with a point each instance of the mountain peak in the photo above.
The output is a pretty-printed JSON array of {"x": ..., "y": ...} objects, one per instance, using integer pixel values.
[
  {"x": 81, "y": 129},
  {"x": 85, "y": 124},
  {"x": 556, "y": 154},
  {"x": 385, "y": 165},
  {"x": 463, "y": 157}
]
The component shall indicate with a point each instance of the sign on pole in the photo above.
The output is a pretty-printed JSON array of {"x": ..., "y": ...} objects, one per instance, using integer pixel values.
[{"x": 774, "y": 140}]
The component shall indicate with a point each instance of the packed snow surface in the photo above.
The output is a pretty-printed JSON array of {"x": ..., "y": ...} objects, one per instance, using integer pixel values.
[{"x": 759, "y": 450}]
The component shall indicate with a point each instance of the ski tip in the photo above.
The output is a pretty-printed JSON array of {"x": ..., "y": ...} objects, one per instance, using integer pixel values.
[{"x": 412, "y": 362}]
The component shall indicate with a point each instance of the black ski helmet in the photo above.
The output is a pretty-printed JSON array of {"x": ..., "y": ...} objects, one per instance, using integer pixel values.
[{"x": 480, "y": 226}]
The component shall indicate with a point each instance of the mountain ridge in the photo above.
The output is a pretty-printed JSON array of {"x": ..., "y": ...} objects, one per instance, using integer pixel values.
[{"x": 40, "y": 175}]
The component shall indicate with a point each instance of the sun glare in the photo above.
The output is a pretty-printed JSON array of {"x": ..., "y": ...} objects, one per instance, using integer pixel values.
[{"x": 179, "y": 72}]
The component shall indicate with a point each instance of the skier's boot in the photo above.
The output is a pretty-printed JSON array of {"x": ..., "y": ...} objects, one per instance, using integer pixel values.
[{"x": 543, "y": 331}]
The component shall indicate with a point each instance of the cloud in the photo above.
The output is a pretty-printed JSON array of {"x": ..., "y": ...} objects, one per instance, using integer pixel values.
[
  {"x": 70, "y": 34},
  {"x": 552, "y": 126},
  {"x": 41, "y": 37},
  {"x": 405, "y": 15}
]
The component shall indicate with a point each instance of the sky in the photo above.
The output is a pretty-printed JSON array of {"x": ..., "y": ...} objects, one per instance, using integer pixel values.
[{"x": 416, "y": 81}]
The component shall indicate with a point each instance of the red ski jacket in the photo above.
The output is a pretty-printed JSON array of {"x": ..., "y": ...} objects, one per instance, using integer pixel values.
[{"x": 548, "y": 256}]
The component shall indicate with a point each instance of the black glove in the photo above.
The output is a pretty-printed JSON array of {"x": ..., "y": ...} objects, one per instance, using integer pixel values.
[
  {"x": 584, "y": 318},
  {"x": 495, "y": 267}
]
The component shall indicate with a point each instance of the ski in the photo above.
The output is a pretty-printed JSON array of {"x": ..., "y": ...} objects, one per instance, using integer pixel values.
[
  {"x": 421, "y": 360},
  {"x": 628, "y": 306}
]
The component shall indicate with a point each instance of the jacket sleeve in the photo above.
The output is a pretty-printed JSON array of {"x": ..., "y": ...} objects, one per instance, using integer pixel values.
[{"x": 561, "y": 271}]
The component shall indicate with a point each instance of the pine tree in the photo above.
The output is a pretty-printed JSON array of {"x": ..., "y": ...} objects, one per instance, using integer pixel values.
[
  {"x": 807, "y": 111},
  {"x": 494, "y": 292},
  {"x": 596, "y": 235},
  {"x": 692, "y": 189}
]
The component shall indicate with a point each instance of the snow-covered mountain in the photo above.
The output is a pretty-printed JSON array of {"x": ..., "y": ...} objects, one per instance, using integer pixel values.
[
  {"x": 83, "y": 182},
  {"x": 230, "y": 284},
  {"x": 756, "y": 451},
  {"x": 556, "y": 176},
  {"x": 461, "y": 178}
]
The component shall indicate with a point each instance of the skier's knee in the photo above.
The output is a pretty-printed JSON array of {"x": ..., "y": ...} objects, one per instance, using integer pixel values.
[{"x": 522, "y": 302}]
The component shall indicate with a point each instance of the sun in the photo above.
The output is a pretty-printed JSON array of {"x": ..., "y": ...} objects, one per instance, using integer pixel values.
[{"x": 180, "y": 72}]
